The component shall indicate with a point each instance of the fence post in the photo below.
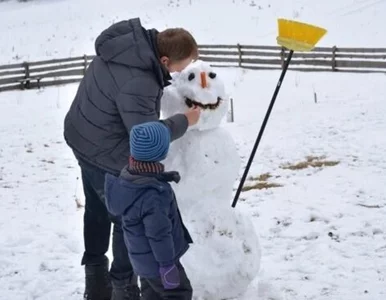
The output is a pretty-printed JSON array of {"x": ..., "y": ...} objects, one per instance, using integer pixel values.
[
  {"x": 231, "y": 116},
  {"x": 282, "y": 56},
  {"x": 26, "y": 83},
  {"x": 333, "y": 61},
  {"x": 240, "y": 56},
  {"x": 85, "y": 64}
]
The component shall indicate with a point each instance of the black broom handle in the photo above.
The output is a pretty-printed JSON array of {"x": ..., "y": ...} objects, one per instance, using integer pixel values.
[{"x": 285, "y": 68}]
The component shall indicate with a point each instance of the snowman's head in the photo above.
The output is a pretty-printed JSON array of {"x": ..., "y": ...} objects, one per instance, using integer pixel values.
[{"x": 197, "y": 85}]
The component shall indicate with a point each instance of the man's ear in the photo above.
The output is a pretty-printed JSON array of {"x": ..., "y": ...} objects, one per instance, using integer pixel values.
[{"x": 165, "y": 60}]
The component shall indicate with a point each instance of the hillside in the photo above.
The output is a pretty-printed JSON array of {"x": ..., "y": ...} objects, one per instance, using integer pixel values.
[{"x": 40, "y": 29}]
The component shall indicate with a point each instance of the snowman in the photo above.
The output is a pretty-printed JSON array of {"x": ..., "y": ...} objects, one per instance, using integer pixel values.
[{"x": 225, "y": 255}]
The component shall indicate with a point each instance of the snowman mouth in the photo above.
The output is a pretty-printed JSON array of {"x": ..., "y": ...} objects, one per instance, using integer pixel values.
[{"x": 191, "y": 103}]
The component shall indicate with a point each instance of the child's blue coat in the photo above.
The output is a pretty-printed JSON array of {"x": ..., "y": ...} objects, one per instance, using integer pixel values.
[{"x": 153, "y": 229}]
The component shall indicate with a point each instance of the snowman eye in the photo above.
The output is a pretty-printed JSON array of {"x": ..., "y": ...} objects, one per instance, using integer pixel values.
[
  {"x": 212, "y": 75},
  {"x": 191, "y": 76}
]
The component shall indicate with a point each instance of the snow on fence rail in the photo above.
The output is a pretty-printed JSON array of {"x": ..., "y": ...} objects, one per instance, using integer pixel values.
[{"x": 30, "y": 75}]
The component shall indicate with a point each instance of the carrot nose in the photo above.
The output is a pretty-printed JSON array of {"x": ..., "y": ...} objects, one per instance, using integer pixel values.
[{"x": 203, "y": 80}]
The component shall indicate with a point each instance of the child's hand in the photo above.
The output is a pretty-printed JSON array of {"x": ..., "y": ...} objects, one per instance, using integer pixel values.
[
  {"x": 170, "y": 277},
  {"x": 193, "y": 115}
]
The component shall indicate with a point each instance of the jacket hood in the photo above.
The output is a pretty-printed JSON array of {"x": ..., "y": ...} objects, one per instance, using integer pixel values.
[{"x": 127, "y": 43}]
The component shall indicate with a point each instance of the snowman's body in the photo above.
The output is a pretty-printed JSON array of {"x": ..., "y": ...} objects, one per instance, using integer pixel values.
[{"x": 225, "y": 256}]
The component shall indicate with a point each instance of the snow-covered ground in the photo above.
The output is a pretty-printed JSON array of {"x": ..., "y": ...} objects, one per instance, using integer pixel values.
[{"x": 322, "y": 231}]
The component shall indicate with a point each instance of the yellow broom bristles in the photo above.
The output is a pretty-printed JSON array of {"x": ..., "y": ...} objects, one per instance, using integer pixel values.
[{"x": 298, "y": 36}]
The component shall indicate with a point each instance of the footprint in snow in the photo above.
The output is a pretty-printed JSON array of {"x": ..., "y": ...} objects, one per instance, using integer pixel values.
[{"x": 16, "y": 242}]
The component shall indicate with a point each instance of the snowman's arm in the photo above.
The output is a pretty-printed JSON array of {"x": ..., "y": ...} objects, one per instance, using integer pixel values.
[
  {"x": 158, "y": 230},
  {"x": 137, "y": 103}
]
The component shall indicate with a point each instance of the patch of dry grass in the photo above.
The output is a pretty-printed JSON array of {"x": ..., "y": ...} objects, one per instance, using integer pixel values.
[
  {"x": 260, "y": 186},
  {"x": 261, "y": 183},
  {"x": 262, "y": 177},
  {"x": 311, "y": 161}
]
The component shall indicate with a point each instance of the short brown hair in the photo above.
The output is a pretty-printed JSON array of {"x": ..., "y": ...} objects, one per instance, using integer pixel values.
[{"x": 177, "y": 44}]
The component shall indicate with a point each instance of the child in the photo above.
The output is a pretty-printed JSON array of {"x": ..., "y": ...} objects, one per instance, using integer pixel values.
[{"x": 153, "y": 229}]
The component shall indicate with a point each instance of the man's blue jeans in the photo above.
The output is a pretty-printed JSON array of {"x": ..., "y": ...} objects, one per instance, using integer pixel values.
[{"x": 97, "y": 226}]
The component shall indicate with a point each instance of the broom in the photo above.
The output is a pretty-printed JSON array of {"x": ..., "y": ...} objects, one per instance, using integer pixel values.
[{"x": 295, "y": 36}]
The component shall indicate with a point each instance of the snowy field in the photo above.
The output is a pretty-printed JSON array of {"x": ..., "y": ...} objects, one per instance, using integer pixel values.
[
  {"x": 43, "y": 29},
  {"x": 322, "y": 227},
  {"x": 322, "y": 231}
]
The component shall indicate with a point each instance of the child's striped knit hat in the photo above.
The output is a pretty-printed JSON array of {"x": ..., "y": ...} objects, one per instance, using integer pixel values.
[{"x": 149, "y": 141}]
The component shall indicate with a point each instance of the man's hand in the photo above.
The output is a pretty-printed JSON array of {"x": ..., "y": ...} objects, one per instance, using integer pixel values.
[{"x": 193, "y": 115}]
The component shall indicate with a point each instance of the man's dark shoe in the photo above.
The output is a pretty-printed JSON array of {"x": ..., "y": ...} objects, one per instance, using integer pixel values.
[
  {"x": 125, "y": 290},
  {"x": 98, "y": 285}
]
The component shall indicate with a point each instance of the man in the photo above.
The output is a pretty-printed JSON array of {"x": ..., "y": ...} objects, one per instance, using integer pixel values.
[{"x": 121, "y": 88}]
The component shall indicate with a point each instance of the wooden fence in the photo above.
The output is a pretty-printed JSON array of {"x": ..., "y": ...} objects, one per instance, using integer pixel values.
[{"x": 30, "y": 75}]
